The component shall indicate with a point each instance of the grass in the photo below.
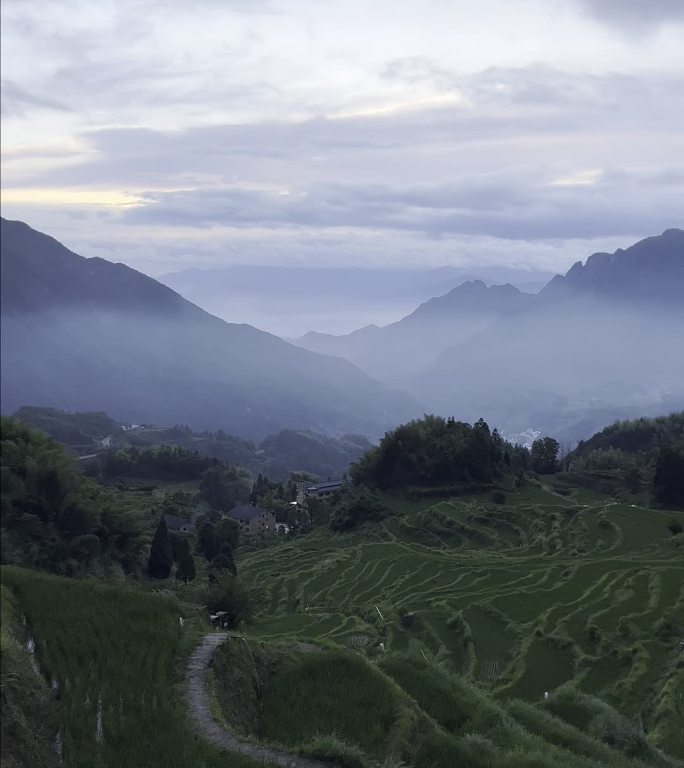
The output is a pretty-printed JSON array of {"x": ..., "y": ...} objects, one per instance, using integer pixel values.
[
  {"x": 330, "y": 693},
  {"x": 540, "y": 592},
  {"x": 115, "y": 656},
  {"x": 438, "y": 648}
]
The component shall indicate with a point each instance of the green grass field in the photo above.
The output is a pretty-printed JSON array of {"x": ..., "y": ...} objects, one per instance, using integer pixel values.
[
  {"x": 546, "y": 593},
  {"x": 115, "y": 659}
]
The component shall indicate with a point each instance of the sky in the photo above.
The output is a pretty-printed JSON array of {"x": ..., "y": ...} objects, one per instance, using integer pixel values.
[{"x": 384, "y": 133}]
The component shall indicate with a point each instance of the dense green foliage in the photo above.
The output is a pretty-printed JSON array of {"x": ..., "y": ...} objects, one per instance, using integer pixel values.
[
  {"x": 433, "y": 452},
  {"x": 55, "y": 519},
  {"x": 645, "y": 453},
  {"x": 224, "y": 487},
  {"x": 163, "y": 462},
  {"x": 352, "y": 506},
  {"x": 227, "y": 594},
  {"x": 277, "y": 455},
  {"x": 74, "y": 429},
  {"x": 640, "y": 436},
  {"x": 544, "y": 455}
]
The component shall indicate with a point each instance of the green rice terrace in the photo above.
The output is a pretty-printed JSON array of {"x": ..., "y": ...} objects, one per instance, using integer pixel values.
[
  {"x": 550, "y": 601},
  {"x": 543, "y": 631}
]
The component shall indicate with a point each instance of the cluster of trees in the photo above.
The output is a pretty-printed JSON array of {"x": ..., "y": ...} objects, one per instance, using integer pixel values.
[
  {"x": 162, "y": 462},
  {"x": 352, "y": 506},
  {"x": 166, "y": 549},
  {"x": 55, "y": 519},
  {"x": 223, "y": 486},
  {"x": 643, "y": 437},
  {"x": 434, "y": 452},
  {"x": 76, "y": 429},
  {"x": 647, "y": 453},
  {"x": 544, "y": 456}
]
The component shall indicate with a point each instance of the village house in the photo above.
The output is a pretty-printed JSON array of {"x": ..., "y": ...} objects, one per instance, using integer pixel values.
[
  {"x": 254, "y": 521},
  {"x": 175, "y": 524},
  {"x": 322, "y": 490}
]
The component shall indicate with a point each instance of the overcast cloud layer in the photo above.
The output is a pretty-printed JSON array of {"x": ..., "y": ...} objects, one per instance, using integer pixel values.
[{"x": 169, "y": 134}]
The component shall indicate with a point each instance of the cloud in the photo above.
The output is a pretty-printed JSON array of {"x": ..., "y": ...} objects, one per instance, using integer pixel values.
[
  {"x": 516, "y": 204},
  {"x": 18, "y": 102},
  {"x": 635, "y": 14}
]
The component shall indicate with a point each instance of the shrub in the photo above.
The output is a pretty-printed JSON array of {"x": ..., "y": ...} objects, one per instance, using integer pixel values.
[{"x": 227, "y": 594}]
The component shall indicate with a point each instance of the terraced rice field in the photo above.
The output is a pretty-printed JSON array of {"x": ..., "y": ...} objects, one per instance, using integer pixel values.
[{"x": 520, "y": 598}]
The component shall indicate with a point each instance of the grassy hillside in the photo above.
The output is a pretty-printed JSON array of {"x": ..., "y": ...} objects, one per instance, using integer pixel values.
[
  {"x": 114, "y": 657},
  {"x": 577, "y": 596}
]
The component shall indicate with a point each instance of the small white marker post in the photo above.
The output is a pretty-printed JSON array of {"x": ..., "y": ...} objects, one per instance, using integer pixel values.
[
  {"x": 424, "y": 656},
  {"x": 378, "y": 610}
]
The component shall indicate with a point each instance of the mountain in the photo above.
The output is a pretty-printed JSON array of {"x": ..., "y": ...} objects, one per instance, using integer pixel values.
[
  {"x": 601, "y": 343},
  {"x": 650, "y": 271},
  {"x": 397, "y": 350},
  {"x": 289, "y": 301},
  {"x": 87, "y": 334}
]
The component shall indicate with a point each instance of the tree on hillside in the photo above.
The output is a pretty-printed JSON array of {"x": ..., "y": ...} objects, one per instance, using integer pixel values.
[
  {"x": 432, "y": 452},
  {"x": 544, "y": 455},
  {"x": 214, "y": 537},
  {"x": 668, "y": 481},
  {"x": 185, "y": 563},
  {"x": 54, "y": 518},
  {"x": 351, "y": 507},
  {"x": 224, "y": 487},
  {"x": 161, "y": 553},
  {"x": 227, "y": 594}
]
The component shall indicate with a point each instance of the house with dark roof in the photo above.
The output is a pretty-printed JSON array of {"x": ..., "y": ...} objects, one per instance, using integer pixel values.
[
  {"x": 321, "y": 490},
  {"x": 253, "y": 520},
  {"x": 175, "y": 524}
]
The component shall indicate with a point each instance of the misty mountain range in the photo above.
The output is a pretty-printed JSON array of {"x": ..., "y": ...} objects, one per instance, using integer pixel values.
[
  {"x": 289, "y": 301},
  {"x": 601, "y": 342},
  {"x": 86, "y": 334}
]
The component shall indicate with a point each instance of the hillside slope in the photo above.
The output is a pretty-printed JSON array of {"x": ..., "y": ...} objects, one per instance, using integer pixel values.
[{"x": 86, "y": 334}]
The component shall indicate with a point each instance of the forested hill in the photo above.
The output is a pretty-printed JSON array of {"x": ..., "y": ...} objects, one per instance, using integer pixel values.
[
  {"x": 640, "y": 436},
  {"x": 86, "y": 334},
  {"x": 276, "y": 456}
]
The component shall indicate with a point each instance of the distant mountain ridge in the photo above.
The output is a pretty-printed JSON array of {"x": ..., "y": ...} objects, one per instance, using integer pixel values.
[
  {"x": 292, "y": 300},
  {"x": 602, "y": 342},
  {"x": 650, "y": 270},
  {"x": 394, "y": 351},
  {"x": 87, "y": 334}
]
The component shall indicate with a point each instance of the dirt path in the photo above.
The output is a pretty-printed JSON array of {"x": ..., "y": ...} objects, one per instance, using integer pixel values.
[{"x": 198, "y": 702}]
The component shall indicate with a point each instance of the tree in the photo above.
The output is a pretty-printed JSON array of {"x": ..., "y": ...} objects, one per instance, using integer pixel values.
[
  {"x": 224, "y": 487},
  {"x": 185, "y": 570},
  {"x": 668, "y": 481},
  {"x": 544, "y": 455},
  {"x": 161, "y": 553},
  {"x": 351, "y": 507},
  {"x": 227, "y": 594}
]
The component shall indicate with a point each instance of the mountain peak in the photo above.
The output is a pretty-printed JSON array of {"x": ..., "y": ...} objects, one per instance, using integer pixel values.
[{"x": 650, "y": 270}]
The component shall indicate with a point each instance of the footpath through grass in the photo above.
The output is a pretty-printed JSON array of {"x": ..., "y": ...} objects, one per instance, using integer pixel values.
[{"x": 115, "y": 658}]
